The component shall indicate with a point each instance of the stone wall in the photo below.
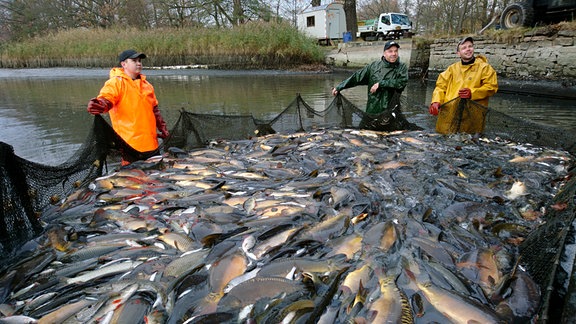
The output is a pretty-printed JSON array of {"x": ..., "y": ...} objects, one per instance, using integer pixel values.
[
  {"x": 538, "y": 62},
  {"x": 535, "y": 55}
]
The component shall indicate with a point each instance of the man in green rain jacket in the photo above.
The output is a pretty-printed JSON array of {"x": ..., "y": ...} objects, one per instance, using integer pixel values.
[{"x": 384, "y": 78}]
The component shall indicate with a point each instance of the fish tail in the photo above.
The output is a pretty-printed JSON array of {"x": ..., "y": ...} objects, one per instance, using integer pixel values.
[{"x": 407, "y": 315}]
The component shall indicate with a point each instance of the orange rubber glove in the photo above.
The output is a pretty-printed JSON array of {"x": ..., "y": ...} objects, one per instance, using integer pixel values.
[
  {"x": 434, "y": 108},
  {"x": 160, "y": 124},
  {"x": 97, "y": 106},
  {"x": 465, "y": 93}
]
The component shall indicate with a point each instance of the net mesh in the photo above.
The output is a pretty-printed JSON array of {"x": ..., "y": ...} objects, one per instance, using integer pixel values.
[
  {"x": 30, "y": 189},
  {"x": 468, "y": 116},
  {"x": 461, "y": 116},
  {"x": 196, "y": 130},
  {"x": 525, "y": 131},
  {"x": 543, "y": 250}
]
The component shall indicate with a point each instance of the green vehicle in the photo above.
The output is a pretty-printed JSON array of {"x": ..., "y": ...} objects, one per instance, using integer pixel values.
[{"x": 530, "y": 12}]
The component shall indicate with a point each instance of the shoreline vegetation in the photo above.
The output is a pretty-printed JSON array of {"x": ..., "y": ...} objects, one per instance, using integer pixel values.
[{"x": 255, "y": 45}]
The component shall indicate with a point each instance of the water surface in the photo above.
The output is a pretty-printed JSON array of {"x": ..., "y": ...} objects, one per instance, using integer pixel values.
[{"x": 43, "y": 111}]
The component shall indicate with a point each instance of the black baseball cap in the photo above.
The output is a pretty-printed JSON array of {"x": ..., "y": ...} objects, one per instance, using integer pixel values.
[
  {"x": 390, "y": 44},
  {"x": 465, "y": 39},
  {"x": 130, "y": 54}
]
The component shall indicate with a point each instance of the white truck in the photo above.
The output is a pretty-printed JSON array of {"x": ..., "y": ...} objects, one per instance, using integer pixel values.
[{"x": 389, "y": 25}]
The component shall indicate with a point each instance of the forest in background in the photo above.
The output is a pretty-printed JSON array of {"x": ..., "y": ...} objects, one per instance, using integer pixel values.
[{"x": 24, "y": 19}]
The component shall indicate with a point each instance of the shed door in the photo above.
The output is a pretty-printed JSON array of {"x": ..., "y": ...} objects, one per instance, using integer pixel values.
[{"x": 333, "y": 20}]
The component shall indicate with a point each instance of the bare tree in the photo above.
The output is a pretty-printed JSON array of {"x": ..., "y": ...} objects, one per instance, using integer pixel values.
[
  {"x": 25, "y": 18},
  {"x": 462, "y": 13},
  {"x": 373, "y": 9},
  {"x": 288, "y": 9},
  {"x": 237, "y": 13},
  {"x": 135, "y": 14},
  {"x": 257, "y": 10}
]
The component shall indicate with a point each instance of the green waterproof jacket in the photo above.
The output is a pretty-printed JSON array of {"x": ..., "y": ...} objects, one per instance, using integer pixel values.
[{"x": 392, "y": 77}]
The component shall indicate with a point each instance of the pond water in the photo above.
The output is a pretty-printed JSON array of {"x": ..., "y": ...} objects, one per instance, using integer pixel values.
[{"x": 43, "y": 111}]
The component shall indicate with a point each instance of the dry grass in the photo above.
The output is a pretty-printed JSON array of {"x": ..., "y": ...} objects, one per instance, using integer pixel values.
[
  {"x": 260, "y": 43},
  {"x": 516, "y": 34},
  {"x": 421, "y": 42}
]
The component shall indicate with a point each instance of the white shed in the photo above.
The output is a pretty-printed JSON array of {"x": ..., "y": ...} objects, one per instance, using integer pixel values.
[{"x": 323, "y": 22}]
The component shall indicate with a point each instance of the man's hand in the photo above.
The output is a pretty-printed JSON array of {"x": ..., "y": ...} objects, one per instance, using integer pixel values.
[
  {"x": 97, "y": 106},
  {"x": 163, "y": 132},
  {"x": 160, "y": 123},
  {"x": 434, "y": 108},
  {"x": 374, "y": 87},
  {"x": 465, "y": 93},
  {"x": 334, "y": 92}
]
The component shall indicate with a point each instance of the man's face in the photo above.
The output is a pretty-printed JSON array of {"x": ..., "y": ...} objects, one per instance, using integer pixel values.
[
  {"x": 132, "y": 67},
  {"x": 391, "y": 54},
  {"x": 466, "y": 51}
]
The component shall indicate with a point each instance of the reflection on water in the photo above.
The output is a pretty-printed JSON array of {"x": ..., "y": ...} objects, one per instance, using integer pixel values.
[{"x": 43, "y": 111}]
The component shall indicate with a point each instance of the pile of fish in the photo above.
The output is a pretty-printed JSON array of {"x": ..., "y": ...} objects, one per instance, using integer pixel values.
[{"x": 330, "y": 226}]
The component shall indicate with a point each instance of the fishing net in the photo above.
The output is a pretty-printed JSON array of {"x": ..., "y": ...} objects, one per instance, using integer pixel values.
[
  {"x": 467, "y": 116},
  {"x": 544, "y": 250},
  {"x": 197, "y": 130},
  {"x": 461, "y": 116},
  {"x": 526, "y": 131},
  {"x": 30, "y": 190},
  {"x": 18, "y": 213}
]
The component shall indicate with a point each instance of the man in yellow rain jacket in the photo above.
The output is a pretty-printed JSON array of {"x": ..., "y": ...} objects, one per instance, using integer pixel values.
[
  {"x": 132, "y": 105},
  {"x": 471, "y": 78}
]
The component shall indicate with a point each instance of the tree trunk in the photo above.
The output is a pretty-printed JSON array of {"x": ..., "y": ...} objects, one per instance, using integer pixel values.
[
  {"x": 351, "y": 21},
  {"x": 238, "y": 14}
]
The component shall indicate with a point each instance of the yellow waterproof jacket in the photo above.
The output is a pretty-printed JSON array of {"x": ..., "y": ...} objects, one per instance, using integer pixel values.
[
  {"x": 481, "y": 79},
  {"x": 132, "y": 113}
]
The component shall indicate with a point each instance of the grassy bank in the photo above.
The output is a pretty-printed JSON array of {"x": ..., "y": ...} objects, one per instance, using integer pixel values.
[{"x": 253, "y": 45}]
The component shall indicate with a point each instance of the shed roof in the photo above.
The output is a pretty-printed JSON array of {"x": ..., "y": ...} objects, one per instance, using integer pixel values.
[{"x": 322, "y": 7}]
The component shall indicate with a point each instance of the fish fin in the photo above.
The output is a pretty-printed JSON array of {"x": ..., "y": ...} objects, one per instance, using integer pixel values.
[
  {"x": 410, "y": 274},
  {"x": 491, "y": 280}
]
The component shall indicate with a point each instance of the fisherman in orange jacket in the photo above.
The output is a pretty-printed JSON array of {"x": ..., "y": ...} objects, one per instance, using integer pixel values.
[{"x": 132, "y": 104}]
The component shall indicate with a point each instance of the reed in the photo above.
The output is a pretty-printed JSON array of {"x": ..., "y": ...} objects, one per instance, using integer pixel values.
[{"x": 253, "y": 45}]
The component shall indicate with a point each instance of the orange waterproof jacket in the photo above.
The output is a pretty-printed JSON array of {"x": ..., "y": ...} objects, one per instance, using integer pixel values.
[
  {"x": 479, "y": 77},
  {"x": 132, "y": 113}
]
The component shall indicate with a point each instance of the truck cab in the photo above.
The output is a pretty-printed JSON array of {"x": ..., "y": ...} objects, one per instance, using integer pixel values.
[
  {"x": 388, "y": 25},
  {"x": 528, "y": 12}
]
